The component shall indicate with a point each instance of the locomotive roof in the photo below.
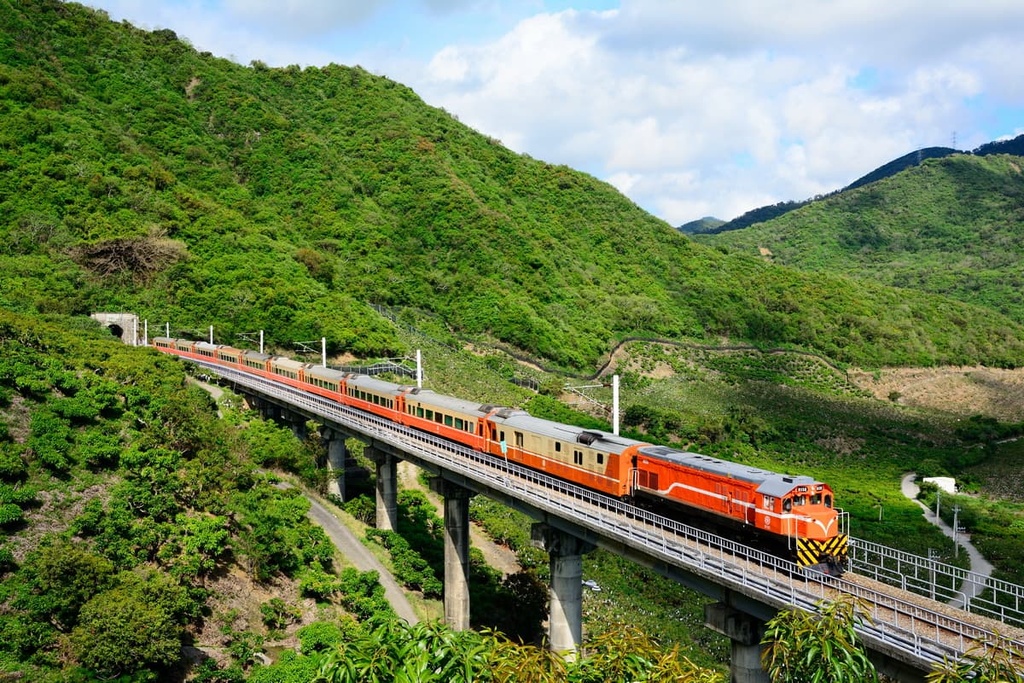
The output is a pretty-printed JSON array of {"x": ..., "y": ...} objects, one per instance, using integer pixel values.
[
  {"x": 770, "y": 483},
  {"x": 592, "y": 438}
]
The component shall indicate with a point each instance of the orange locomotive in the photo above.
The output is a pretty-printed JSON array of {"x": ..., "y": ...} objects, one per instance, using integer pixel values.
[{"x": 792, "y": 515}]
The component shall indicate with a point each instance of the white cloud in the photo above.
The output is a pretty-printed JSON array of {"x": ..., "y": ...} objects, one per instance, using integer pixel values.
[{"x": 809, "y": 95}]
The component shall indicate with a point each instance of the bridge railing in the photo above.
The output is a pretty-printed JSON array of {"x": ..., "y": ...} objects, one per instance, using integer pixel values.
[
  {"x": 971, "y": 591},
  {"x": 923, "y": 633}
]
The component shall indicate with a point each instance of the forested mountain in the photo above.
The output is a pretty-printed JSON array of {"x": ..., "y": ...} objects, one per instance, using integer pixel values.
[
  {"x": 915, "y": 158},
  {"x": 137, "y": 173},
  {"x": 950, "y": 226}
]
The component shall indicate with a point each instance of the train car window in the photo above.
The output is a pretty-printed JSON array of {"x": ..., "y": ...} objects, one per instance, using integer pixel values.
[
  {"x": 519, "y": 439},
  {"x": 600, "y": 458},
  {"x": 470, "y": 427},
  {"x": 438, "y": 417},
  {"x": 787, "y": 505},
  {"x": 419, "y": 411},
  {"x": 448, "y": 422},
  {"x": 558, "y": 447},
  {"x": 430, "y": 415},
  {"x": 502, "y": 437},
  {"x": 459, "y": 424},
  {"x": 577, "y": 457}
]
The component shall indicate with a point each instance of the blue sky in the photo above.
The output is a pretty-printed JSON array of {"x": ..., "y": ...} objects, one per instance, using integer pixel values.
[{"x": 689, "y": 108}]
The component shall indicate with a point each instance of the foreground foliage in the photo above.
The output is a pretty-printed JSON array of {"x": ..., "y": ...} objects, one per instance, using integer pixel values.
[
  {"x": 394, "y": 652},
  {"x": 822, "y": 647}
]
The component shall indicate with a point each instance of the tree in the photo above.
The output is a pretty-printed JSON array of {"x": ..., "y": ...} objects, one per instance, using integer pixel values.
[
  {"x": 135, "y": 625},
  {"x": 817, "y": 648},
  {"x": 63, "y": 577}
]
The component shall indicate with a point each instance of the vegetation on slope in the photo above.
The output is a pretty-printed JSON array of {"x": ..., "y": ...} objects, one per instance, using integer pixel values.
[
  {"x": 949, "y": 226},
  {"x": 139, "y": 174},
  {"x": 125, "y": 500}
]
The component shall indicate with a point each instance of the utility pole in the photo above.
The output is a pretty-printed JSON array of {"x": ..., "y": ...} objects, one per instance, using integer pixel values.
[{"x": 956, "y": 528}]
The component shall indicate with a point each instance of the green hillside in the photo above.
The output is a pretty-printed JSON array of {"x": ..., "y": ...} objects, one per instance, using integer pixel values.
[
  {"x": 137, "y": 173},
  {"x": 950, "y": 226}
]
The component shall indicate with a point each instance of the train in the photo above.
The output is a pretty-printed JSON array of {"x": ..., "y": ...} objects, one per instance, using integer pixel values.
[{"x": 794, "y": 516}]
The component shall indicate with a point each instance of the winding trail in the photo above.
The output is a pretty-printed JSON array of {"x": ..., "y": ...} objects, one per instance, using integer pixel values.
[
  {"x": 979, "y": 565},
  {"x": 346, "y": 542},
  {"x": 361, "y": 558}
]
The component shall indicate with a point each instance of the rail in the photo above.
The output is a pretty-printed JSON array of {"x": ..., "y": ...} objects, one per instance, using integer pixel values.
[{"x": 926, "y": 635}]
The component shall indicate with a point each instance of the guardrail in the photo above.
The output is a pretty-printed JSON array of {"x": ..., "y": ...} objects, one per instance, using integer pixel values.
[
  {"x": 924, "y": 635},
  {"x": 976, "y": 593}
]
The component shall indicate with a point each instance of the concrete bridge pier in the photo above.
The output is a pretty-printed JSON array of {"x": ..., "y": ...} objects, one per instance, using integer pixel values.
[
  {"x": 297, "y": 423},
  {"x": 269, "y": 410},
  {"x": 456, "y": 552},
  {"x": 565, "y": 553},
  {"x": 387, "y": 488},
  {"x": 745, "y": 632},
  {"x": 336, "y": 456}
]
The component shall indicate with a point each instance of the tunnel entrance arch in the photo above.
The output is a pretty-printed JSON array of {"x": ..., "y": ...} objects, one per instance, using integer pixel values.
[{"x": 124, "y": 326}]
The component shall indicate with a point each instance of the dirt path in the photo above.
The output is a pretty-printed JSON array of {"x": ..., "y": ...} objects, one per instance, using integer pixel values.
[
  {"x": 979, "y": 565},
  {"x": 349, "y": 546}
]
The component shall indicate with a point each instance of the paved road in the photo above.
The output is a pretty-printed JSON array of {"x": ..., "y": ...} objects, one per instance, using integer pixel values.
[{"x": 979, "y": 565}]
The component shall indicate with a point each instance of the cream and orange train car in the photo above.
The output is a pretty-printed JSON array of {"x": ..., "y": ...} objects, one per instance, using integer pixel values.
[{"x": 791, "y": 515}]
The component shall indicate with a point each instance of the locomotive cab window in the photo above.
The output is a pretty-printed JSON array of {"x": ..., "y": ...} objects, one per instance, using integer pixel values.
[
  {"x": 787, "y": 504},
  {"x": 816, "y": 499},
  {"x": 828, "y": 501},
  {"x": 799, "y": 500}
]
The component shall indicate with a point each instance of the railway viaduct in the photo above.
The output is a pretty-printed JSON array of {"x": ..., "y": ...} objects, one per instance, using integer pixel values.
[{"x": 905, "y": 637}]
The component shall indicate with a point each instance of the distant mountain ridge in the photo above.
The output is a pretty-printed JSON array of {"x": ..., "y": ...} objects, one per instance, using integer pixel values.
[
  {"x": 949, "y": 226},
  {"x": 769, "y": 212}
]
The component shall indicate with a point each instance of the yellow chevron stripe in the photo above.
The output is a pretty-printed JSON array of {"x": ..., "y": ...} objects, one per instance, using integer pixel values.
[{"x": 810, "y": 552}]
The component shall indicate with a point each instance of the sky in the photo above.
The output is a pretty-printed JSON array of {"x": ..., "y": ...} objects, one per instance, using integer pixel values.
[{"x": 691, "y": 108}]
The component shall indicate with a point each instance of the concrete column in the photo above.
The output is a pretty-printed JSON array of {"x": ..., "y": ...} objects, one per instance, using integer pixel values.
[
  {"x": 270, "y": 411},
  {"x": 745, "y": 632},
  {"x": 456, "y": 552},
  {"x": 336, "y": 456},
  {"x": 297, "y": 422},
  {"x": 387, "y": 488},
  {"x": 565, "y": 553}
]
